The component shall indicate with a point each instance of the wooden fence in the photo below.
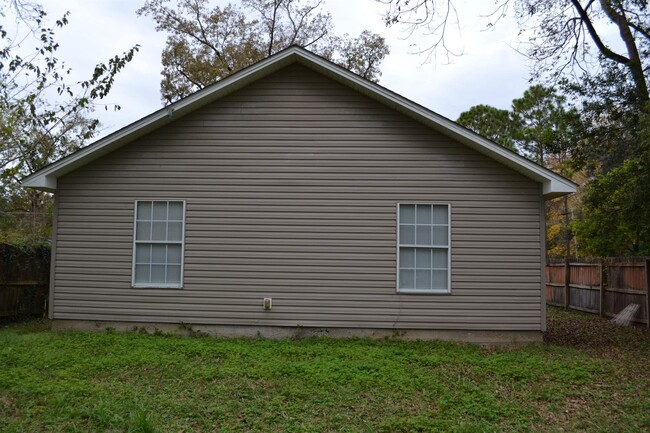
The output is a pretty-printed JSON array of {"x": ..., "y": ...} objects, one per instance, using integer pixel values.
[
  {"x": 24, "y": 281},
  {"x": 603, "y": 286}
]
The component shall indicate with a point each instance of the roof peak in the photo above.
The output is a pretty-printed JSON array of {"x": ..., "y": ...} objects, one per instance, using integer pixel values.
[{"x": 554, "y": 185}]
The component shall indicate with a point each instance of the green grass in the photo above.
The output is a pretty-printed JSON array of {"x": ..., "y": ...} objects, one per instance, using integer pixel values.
[{"x": 588, "y": 377}]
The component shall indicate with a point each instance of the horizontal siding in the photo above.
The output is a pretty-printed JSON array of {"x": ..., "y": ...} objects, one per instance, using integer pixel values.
[{"x": 291, "y": 187}]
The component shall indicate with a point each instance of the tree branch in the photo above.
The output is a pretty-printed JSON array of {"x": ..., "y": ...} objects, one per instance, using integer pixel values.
[{"x": 606, "y": 51}]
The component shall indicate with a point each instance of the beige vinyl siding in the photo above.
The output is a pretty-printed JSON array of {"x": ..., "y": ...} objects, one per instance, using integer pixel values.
[{"x": 291, "y": 186}]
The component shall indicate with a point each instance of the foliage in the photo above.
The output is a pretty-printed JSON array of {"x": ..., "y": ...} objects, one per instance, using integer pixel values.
[
  {"x": 43, "y": 116},
  {"x": 560, "y": 214},
  {"x": 543, "y": 127},
  {"x": 607, "y": 77},
  {"x": 492, "y": 123},
  {"x": 564, "y": 33},
  {"x": 616, "y": 151},
  {"x": 540, "y": 125},
  {"x": 206, "y": 44},
  {"x": 611, "y": 117},
  {"x": 137, "y": 382},
  {"x": 598, "y": 53},
  {"x": 616, "y": 213},
  {"x": 546, "y": 124}
]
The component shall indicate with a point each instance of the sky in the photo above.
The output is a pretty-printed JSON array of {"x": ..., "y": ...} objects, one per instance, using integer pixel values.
[{"x": 490, "y": 70}]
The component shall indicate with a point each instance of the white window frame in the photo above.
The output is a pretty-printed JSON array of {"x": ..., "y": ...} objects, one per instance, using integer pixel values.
[
  {"x": 135, "y": 242},
  {"x": 399, "y": 245}
]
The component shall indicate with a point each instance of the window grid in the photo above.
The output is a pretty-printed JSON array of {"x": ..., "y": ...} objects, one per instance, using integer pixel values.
[
  {"x": 423, "y": 247},
  {"x": 158, "y": 243}
]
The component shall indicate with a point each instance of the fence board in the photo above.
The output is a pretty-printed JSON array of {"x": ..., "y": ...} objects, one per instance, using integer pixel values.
[
  {"x": 583, "y": 274},
  {"x": 24, "y": 281},
  {"x": 646, "y": 265},
  {"x": 627, "y": 277},
  {"x": 555, "y": 294},
  {"x": 623, "y": 281},
  {"x": 585, "y": 299},
  {"x": 615, "y": 302}
]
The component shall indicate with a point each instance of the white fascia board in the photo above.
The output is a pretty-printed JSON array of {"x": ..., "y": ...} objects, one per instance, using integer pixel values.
[{"x": 554, "y": 185}]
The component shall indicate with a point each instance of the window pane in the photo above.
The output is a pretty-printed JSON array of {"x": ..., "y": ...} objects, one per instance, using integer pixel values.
[
  {"x": 159, "y": 231},
  {"x": 440, "y": 236},
  {"x": 440, "y": 259},
  {"x": 423, "y": 236},
  {"x": 159, "y": 254},
  {"x": 160, "y": 210},
  {"x": 143, "y": 253},
  {"x": 174, "y": 274},
  {"x": 144, "y": 210},
  {"x": 143, "y": 231},
  {"x": 157, "y": 273},
  {"x": 159, "y": 262},
  {"x": 406, "y": 279},
  {"x": 440, "y": 214},
  {"x": 142, "y": 273},
  {"x": 407, "y": 235},
  {"x": 176, "y": 210},
  {"x": 423, "y": 258},
  {"x": 440, "y": 280},
  {"x": 407, "y": 214},
  {"x": 423, "y": 279},
  {"x": 174, "y": 254},
  {"x": 175, "y": 231},
  {"x": 407, "y": 257},
  {"x": 423, "y": 214}
]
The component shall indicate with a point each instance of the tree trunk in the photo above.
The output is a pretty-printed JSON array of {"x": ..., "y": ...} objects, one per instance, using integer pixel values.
[{"x": 634, "y": 59}]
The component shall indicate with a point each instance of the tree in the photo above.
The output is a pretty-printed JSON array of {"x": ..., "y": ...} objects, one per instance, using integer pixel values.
[
  {"x": 598, "y": 53},
  {"x": 492, "y": 123},
  {"x": 561, "y": 33},
  {"x": 43, "y": 117},
  {"x": 615, "y": 217},
  {"x": 616, "y": 213},
  {"x": 205, "y": 44},
  {"x": 543, "y": 127}
]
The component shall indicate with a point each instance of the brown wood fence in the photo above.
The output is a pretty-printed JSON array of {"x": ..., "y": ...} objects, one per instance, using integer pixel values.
[
  {"x": 602, "y": 286},
  {"x": 24, "y": 281}
]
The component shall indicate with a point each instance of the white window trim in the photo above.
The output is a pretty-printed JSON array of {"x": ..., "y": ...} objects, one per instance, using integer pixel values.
[
  {"x": 135, "y": 222},
  {"x": 429, "y": 291}
]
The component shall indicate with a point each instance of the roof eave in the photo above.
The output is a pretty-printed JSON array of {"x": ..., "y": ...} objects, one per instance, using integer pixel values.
[
  {"x": 45, "y": 179},
  {"x": 554, "y": 189},
  {"x": 553, "y": 184},
  {"x": 42, "y": 183}
]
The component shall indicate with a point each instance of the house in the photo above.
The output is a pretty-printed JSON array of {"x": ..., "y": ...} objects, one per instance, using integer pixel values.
[{"x": 295, "y": 195}]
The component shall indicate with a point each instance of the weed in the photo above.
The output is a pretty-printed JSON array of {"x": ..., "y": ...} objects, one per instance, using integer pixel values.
[
  {"x": 132, "y": 382},
  {"x": 191, "y": 332},
  {"x": 298, "y": 333}
]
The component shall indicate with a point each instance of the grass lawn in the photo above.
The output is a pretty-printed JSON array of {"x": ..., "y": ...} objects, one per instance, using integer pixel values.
[{"x": 589, "y": 376}]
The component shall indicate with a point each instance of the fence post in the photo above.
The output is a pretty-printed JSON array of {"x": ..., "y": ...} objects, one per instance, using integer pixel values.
[
  {"x": 601, "y": 306},
  {"x": 567, "y": 282},
  {"x": 647, "y": 292}
]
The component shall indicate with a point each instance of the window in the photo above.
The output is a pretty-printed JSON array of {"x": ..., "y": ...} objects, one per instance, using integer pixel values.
[
  {"x": 423, "y": 248},
  {"x": 158, "y": 244}
]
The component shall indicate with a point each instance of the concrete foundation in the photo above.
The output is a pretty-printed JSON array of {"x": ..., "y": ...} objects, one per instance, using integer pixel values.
[{"x": 279, "y": 332}]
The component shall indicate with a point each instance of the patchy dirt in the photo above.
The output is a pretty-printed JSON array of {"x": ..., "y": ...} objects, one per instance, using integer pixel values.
[{"x": 591, "y": 332}]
